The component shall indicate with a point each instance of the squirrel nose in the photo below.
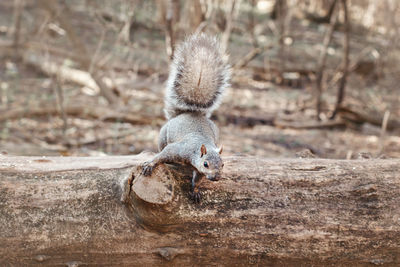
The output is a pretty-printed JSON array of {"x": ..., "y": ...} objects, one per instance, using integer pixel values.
[{"x": 214, "y": 177}]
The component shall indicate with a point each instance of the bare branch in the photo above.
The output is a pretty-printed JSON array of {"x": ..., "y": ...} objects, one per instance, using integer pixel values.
[
  {"x": 322, "y": 60},
  {"x": 229, "y": 24},
  {"x": 85, "y": 58},
  {"x": 172, "y": 11},
  {"x": 18, "y": 8},
  {"x": 346, "y": 51}
]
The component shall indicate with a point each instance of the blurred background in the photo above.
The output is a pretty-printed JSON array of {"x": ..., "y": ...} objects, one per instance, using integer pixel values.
[{"x": 311, "y": 78}]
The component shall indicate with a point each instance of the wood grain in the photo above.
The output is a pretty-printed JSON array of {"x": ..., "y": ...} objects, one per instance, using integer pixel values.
[{"x": 266, "y": 212}]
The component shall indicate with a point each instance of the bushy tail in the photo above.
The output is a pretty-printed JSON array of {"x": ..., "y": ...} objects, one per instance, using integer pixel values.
[{"x": 198, "y": 77}]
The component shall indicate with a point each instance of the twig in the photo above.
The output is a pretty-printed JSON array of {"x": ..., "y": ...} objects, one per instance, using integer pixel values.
[
  {"x": 96, "y": 52},
  {"x": 252, "y": 24},
  {"x": 196, "y": 14},
  {"x": 128, "y": 19},
  {"x": 229, "y": 21},
  {"x": 249, "y": 57},
  {"x": 352, "y": 67},
  {"x": 322, "y": 19},
  {"x": 85, "y": 60},
  {"x": 169, "y": 28},
  {"x": 18, "y": 7},
  {"x": 385, "y": 122},
  {"x": 105, "y": 59},
  {"x": 60, "y": 101},
  {"x": 322, "y": 62},
  {"x": 281, "y": 6},
  {"x": 209, "y": 17},
  {"x": 342, "y": 85}
]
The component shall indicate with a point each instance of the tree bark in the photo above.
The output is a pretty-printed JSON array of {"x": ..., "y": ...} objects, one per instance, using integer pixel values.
[{"x": 266, "y": 212}]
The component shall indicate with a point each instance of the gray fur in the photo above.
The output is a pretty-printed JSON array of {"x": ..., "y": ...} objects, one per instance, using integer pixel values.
[
  {"x": 181, "y": 139},
  {"x": 198, "y": 77}
]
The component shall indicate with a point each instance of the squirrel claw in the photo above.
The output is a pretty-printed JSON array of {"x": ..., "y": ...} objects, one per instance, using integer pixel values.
[
  {"x": 147, "y": 168},
  {"x": 195, "y": 196}
]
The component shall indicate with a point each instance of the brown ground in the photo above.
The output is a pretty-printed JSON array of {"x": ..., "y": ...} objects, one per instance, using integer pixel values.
[{"x": 142, "y": 83}]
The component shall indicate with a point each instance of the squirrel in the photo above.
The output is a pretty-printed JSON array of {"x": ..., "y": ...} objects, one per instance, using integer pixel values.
[{"x": 198, "y": 76}]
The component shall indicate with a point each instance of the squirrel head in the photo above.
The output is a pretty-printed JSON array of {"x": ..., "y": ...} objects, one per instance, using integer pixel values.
[{"x": 210, "y": 163}]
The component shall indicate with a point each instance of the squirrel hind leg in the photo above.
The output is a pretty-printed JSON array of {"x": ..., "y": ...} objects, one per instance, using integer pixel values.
[{"x": 195, "y": 193}]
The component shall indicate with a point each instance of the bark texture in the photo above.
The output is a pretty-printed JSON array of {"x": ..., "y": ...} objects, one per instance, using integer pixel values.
[{"x": 266, "y": 212}]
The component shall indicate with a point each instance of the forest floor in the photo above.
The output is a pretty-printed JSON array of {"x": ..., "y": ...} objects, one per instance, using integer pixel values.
[{"x": 259, "y": 115}]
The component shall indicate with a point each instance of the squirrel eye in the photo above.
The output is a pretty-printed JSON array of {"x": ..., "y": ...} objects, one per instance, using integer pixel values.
[{"x": 206, "y": 164}]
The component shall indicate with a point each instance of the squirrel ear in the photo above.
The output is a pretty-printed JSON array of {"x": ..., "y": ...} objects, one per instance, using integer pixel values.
[
  {"x": 220, "y": 149},
  {"x": 203, "y": 150}
]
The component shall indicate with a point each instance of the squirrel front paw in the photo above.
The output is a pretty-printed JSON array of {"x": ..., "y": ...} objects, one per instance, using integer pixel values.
[
  {"x": 195, "y": 195},
  {"x": 147, "y": 168}
]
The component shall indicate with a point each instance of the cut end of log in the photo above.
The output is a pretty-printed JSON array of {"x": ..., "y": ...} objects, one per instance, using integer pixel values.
[
  {"x": 158, "y": 189},
  {"x": 154, "y": 199},
  {"x": 157, "y": 201}
]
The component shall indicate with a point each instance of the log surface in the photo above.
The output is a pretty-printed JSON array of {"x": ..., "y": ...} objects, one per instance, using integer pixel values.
[{"x": 266, "y": 212}]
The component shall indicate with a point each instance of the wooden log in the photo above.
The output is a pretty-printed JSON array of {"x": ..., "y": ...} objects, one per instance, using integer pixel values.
[{"x": 266, "y": 212}]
